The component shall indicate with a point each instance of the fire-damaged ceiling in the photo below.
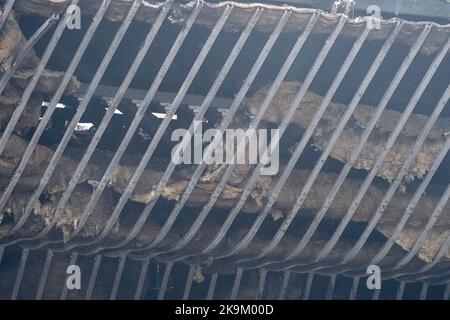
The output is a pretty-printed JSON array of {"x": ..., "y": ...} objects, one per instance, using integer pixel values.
[{"x": 89, "y": 108}]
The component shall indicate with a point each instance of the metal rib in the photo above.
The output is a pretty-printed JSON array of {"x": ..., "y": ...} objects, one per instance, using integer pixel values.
[
  {"x": 73, "y": 260},
  {"x": 118, "y": 277},
  {"x": 419, "y": 241},
  {"x": 414, "y": 151},
  {"x": 309, "y": 281},
  {"x": 411, "y": 206},
  {"x": 51, "y": 107},
  {"x": 195, "y": 177},
  {"x": 213, "y": 36},
  {"x": 345, "y": 220},
  {"x": 141, "y": 112},
  {"x": 331, "y": 285},
  {"x": 77, "y": 174},
  {"x": 166, "y": 228},
  {"x": 354, "y": 289},
  {"x": 8, "y": 6},
  {"x": 400, "y": 290},
  {"x": 423, "y": 273},
  {"x": 424, "y": 291},
  {"x": 141, "y": 279},
  {"x": 26, "y": 49},
  {"x": 150, "y": 150},
  {"x": 236, "y": 284},
  {"x": 239, "y": 97},
  {"x": 32, "y": 84},
  {"x": 361, "y": 90},
  {"x": 81, "y": 108},
  {"x": 438, "y": 281},
  {"x": 376, "y": 294},
  {"x": 389, "y": 144},
  {"x": 284, "y": 285},
  {"x": 389, "y": 92},
  {"x": 165, "y": 281},
  {"x": 230, "y": 218},
  {"x": 188, "y": 286},
  {"x": 211, "y": 94},
  {"x": 44, "y": 275},
  {"x": 436, "y": 212},
  {"x": 105, "y": 121},
  {"x": 17, "y": 283},
  {"x": 447, "y": 292},
  {"x": 282, "y": 127},
  {"x": 261, "y": 284},
  {"x": 299, "y": 149},
  {"x": 206, "y": 103},
  {"x": 409, "y": 253},
  {"x": 432, "y": 281},
  {"x": 212, "y": 287},
  {"x": 311, "y": 179},
  {"x": 2, "y": 251},
  {"x": 281, "y": 75},
  {"x": 409, "y": 209},
  {"x": 93, "y": 277}
]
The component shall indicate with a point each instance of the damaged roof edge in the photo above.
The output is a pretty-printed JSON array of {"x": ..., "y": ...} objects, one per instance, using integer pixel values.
[
  {"x": 439, "y": 9},
  {"x": 243, "y": 11}
]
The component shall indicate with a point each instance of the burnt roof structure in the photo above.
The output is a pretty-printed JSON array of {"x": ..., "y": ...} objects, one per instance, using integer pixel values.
[{"x": 87, "y": 118}]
